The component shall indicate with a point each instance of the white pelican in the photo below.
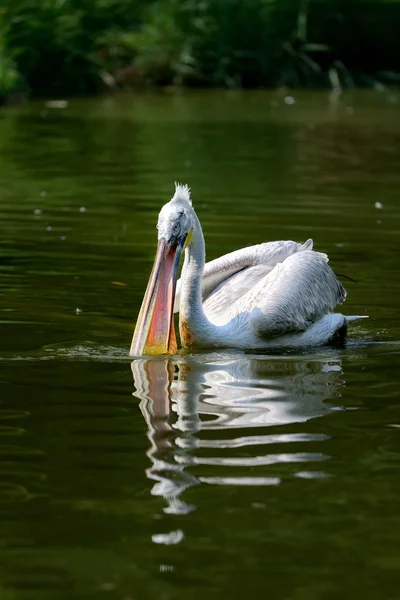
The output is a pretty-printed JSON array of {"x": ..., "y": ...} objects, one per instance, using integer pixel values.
[{"x": 277, "y": 294}]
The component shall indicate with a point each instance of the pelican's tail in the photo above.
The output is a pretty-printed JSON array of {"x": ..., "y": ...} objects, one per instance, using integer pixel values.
[{"x": 352, "y": 318}]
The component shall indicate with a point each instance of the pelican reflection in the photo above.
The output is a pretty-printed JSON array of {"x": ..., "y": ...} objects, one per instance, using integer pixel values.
[{"x": 202, "y": 411}]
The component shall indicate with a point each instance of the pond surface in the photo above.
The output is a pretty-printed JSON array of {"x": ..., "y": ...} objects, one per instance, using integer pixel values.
[{"x": 217, "y": 475}]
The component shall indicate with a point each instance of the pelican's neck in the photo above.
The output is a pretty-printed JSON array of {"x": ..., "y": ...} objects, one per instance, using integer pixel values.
[{"x": 193, "y": 323}]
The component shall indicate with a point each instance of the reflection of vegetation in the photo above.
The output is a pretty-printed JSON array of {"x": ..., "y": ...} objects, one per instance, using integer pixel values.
[{"x": 77, "y": 46}]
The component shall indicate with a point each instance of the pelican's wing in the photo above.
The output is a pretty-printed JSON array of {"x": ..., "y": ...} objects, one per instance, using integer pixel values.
[
  {"x": 295, "y": 294},
  {"x": 230, "y": 290},
  {"x": 219, "y": 271}
]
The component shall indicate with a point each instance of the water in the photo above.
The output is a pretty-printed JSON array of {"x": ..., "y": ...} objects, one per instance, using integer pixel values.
[{"x": 220, "y": 474}]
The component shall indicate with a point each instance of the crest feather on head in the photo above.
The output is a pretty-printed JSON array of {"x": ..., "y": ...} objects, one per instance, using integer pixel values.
[{"x": 182, "y": 192}]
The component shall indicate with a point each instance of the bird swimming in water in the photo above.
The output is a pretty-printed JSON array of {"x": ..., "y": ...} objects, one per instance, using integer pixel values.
[{"x": 272, "y": 295}]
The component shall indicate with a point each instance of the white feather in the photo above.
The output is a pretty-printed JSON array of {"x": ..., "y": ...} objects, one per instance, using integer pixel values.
[
  {"x": 182, "y": 192},
  {"x": 296, "y": 293}
]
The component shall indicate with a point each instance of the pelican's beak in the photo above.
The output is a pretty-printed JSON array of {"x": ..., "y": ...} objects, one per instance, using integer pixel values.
[{"x": 155, "y": 330}]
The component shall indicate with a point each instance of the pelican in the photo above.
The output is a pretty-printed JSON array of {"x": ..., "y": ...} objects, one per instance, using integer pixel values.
[{"x": 272, "y": 295}]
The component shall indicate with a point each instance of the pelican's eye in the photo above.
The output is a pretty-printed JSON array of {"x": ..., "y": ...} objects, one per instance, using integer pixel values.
[{"x": 176, "y": 229}]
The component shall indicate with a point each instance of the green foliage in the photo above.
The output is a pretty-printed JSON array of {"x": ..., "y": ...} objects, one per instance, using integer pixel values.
[
  {"x": 209, "y": 42},
  {"x": 55, "y": 47},
  {"x": 156, "y": 50},
  {"x": 240, "y": 40},
  {"x": 9, "y": 76},
  {"x": 250, "y": 43},
  {"x": 54, "y": 43}
]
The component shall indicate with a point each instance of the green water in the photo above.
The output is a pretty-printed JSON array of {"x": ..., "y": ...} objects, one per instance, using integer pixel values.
[{"x": 211, "y": 475}]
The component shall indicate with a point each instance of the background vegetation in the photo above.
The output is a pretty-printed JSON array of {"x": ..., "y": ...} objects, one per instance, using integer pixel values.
[{"x": 58, "y": 47}]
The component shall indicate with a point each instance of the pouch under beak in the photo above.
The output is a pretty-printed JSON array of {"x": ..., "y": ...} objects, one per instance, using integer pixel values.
[{"x": 155, "y": 331}]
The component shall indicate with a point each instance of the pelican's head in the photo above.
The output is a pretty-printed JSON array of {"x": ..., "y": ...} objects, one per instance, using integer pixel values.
[
  {"x": 155, "y": 331},
  {"x": 175, "y": 220}
]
